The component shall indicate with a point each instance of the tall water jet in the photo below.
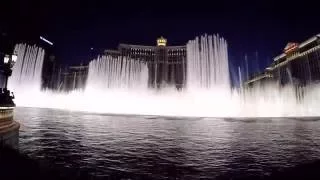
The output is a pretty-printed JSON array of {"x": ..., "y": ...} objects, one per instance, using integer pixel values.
[
  {"x": 107, "y": 72},
  {"x": 207, "y": 63},
  {"x": 26, "y": 73}
]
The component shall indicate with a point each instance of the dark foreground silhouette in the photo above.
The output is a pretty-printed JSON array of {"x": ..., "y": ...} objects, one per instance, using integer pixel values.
[
  {"x": 16, "y": 166},
  {"x": 13, "y": 165}
]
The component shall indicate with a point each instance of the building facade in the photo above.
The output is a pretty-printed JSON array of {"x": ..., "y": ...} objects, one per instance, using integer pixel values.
[
  {"x": 299, "y": 64},
  {"x": 166, "y": 64},
  {"x": 73, "y": 78}
]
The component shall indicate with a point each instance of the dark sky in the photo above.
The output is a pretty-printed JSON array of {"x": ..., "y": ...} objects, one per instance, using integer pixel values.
[{"x": 76, "y": 26}]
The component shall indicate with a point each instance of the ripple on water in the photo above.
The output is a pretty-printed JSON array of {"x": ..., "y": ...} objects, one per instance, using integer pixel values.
[{"x": 159, "y": 147}]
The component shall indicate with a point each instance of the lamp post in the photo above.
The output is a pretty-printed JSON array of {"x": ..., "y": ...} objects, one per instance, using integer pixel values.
[
  {"x": 9, "y": 133},
  {"x": 9, "y": 62}
]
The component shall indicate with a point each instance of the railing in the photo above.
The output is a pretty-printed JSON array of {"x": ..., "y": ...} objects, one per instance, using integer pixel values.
[{"x": 295, "y": 57}]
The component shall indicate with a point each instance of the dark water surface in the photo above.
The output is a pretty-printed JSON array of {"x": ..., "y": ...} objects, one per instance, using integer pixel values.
[{"x": 151, "y": 147}]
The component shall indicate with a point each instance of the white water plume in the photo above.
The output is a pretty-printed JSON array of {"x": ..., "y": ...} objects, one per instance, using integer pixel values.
[
  {"x": 26, "y": 73},
  {"x": 207, "y": 63},
  {"x": 107, "y": 72},
  {"x": 120, "y": 86}
]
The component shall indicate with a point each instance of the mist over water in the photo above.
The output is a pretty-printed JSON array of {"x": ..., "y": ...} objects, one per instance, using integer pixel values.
[{"x": 120, "y": 86}]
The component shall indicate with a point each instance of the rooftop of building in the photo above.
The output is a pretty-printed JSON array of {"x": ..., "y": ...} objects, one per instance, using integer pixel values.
[
  {"x": 149, "y": 47},
  {"x": 161, "y": 42},
  {"x": 292, "y": 46}
]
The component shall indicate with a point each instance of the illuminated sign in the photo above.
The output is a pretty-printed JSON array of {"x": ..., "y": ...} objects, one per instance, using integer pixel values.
[
  {"x": 45, "y": 40},
  {"x": 290, "y": 47},
  {"x": 161, "y": 41}
]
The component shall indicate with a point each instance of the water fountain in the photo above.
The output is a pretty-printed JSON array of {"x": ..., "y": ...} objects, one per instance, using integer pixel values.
[
  {"x": 207, "y": 63},
  {"x": 25, "y": 81},
  {"x": 120, "y": 86},
  {"x": 107, "y": 72},
  {"x": 26, "y": 75}
]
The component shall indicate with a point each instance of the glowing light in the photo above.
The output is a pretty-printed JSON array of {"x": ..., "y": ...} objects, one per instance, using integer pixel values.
[
  {"x": 290, "y": 47},
  {"x": 161, "y": 41},
  {"x": 45, "y": 40},
  {"x": 6, "y": 59},
  {"x": 14, "y": 58}
]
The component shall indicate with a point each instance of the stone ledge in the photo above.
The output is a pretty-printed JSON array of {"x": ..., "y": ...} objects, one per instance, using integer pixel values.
[
  {"x": 8, "y": 128},
  {"x": 3, "y": 124},
  {"x": 9, "y": 136}
]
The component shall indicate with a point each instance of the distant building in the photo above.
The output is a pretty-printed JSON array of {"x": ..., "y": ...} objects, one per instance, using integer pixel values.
[
  {"x": 166, "y": 63},
  {"x": 73, "y": 78},
  {"x": 260, "y": 78},
  {"x": 299, "y": 64}
]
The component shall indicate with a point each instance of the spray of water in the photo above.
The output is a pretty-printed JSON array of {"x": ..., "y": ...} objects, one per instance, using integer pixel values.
[
  {"x": 26, "y": 73},
  {"x": 207, "y": 63},
  {"x": 120, "y": 86},
  {"x": 107, "y": 72}
]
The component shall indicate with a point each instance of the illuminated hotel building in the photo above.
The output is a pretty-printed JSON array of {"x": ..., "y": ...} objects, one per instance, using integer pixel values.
[
  {"x": 166, "y": 64},
  {"x": 299, "y": 64}
]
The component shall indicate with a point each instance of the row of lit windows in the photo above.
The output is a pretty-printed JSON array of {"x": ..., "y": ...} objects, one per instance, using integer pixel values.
[
  {"x": 310, "y": 50},
  {"x": 138, "y": 49},
  {"x": 153, "y": 53},
  {"x": 169, "y": 59},
  {"x": 177, "y": 50},
  {"x": 142, "y": 53},
  {"x": 176, "y": 53}
]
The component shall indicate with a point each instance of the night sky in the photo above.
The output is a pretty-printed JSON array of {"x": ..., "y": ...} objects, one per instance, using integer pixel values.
[{"x": 76, "y": 26}]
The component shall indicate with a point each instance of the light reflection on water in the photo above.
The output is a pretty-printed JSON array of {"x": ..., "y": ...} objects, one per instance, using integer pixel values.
[{"x": 159, "y": 147}]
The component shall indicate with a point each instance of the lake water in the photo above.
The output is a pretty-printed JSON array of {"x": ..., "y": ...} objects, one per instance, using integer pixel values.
[{"x": 155, "y": 147}]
